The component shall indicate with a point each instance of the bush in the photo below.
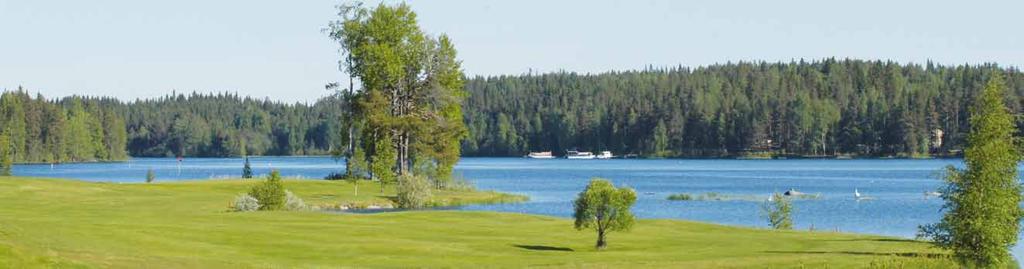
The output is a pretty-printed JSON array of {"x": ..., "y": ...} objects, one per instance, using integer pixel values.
[
  {"x": 293, "y": 202},
  {"x": 413, "y": 191},
  {"x": 245, "y": 203},
  {"x": 778, "y": 211},
  {"x": 680, "y": 197},
  {"x": 336, "y": 176},
  {"x": 270, "y": 194}
]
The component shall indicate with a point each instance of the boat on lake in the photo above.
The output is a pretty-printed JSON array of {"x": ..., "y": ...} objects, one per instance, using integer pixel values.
[
  {"x": 605, "y": 155},
  {"x": 580, "y": 155},
  {"x": 540, "y": 155}
]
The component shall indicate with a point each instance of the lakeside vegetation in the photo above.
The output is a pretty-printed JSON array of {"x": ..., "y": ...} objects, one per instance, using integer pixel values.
[{"x": 66, "y": 223}]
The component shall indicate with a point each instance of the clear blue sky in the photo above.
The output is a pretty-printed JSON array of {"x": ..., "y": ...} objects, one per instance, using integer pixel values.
[{"x": 132, "y": 49}]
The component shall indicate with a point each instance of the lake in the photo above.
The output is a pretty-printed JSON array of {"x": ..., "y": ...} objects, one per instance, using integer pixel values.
[{"x": 896, "y": 187}]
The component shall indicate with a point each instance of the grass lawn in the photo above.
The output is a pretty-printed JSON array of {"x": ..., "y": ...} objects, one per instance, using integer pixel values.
[{"x": 66, "y": 223}]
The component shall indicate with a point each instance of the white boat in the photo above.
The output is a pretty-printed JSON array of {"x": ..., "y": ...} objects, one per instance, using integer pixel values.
[
  {"x": 540, "y": 155},
  {"x": 580, "y": 155},
  {"x": 605, "y": 155}
]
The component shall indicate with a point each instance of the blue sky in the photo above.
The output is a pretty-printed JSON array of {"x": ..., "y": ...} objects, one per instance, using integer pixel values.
[{"x": 275, "y": 49}]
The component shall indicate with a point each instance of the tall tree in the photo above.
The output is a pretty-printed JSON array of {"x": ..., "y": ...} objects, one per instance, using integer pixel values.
[
  {"x": 411, "y": 84},
  {"x": 983, "y": 200},
  {"x": 13, "y": 112}
]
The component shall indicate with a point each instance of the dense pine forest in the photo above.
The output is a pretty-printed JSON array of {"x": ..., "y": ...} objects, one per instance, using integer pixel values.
[
  {"x": 829, "y": 107},
  {"x": 73, "y": 129},
  {"x": 220, "y": 125}
]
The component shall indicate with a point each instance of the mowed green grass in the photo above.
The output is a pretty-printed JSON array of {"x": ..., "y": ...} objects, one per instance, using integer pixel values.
[{"x": 72, "y": 224}]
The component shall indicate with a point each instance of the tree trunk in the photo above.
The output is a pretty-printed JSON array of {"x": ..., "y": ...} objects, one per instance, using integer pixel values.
[
  {"x": 351, "y": 125},
  {"x": 601, "y": 243}
]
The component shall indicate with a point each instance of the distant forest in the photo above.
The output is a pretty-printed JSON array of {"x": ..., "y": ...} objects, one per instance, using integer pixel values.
[
  {"x": 829, "y": 107},
  {"x": 37, "y": 130}
]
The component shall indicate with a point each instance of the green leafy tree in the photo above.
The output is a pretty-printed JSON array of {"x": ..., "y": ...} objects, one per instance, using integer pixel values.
[
  {"x": 604, "y": 208},
  {"x": 271, "y": 193},
  {"x": 778, "y": 210},
  {"x": 983, "y": 200},
  {"x": 247, "y": 169},
  {"x": 383, "y": 163},
  {"x": 411, "y": 85},
  {"x": 660, "y": 144}
]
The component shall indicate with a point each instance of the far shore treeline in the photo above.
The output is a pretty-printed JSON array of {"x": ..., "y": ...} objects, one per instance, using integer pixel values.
[
  {"x": 828, "y": 107},
  {"x": 73, "y": 129}
]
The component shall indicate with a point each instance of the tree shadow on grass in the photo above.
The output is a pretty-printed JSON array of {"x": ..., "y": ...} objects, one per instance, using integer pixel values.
[
  {"x": 898, "y": 240},
  {"x": 867, "y": 253},
  {"x": 542, "y": 248}
]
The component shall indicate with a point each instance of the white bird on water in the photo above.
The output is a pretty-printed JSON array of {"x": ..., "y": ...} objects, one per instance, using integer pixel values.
[{"x": 856, "y": 194}]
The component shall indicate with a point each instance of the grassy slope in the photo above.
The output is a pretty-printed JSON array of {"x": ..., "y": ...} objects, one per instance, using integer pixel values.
[{"x": 66, "y": 223}]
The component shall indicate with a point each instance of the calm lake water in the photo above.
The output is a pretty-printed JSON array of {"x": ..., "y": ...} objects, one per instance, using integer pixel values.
[{"x": 896, "y": 187}]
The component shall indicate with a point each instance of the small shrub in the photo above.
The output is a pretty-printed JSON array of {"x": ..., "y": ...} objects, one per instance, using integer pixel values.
[
  {"x": 150, "y": 176},
  {"x": 778, "y": 211},
  {"x": 413, "y": 191},
  {"x": 293, "y": 202},
  {"x": 680, "y": 197},
  {"x": 245, "y": 203},
  {"x": 335, "y": 176},
  {"x": 270, "y": 194}
]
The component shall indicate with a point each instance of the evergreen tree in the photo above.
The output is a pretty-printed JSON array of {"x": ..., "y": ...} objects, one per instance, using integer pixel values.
[
  {"x": 247, "y": 169},
  {"x": 983, "y": 200},
  {"x": 13, "y": 113},
  {"x": 6, "y": 160}
]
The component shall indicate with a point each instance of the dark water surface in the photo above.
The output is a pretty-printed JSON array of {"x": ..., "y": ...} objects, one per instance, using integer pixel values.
[{"x": 897, "y": 187}]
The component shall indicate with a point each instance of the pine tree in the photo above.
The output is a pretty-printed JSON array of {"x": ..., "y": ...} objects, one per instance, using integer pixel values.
[{"x": 247, "y": 169}]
